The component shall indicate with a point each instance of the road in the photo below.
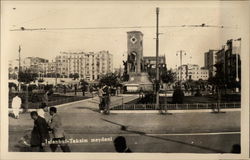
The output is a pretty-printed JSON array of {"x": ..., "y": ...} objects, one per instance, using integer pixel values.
[{"x": 144, "y": 132}]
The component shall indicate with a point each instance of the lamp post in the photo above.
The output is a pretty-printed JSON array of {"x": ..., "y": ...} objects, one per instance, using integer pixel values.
[
  {"x": 157, "y": 57},
  {"x": 19, "y": 68},
  {"x": 237, "y": 64}
]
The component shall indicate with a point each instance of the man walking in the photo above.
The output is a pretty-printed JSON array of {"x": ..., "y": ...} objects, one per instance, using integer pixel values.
[
  {"x": 55, "y": 125},
  {"x": 16, "y": 105},
  {"x": 39, "y": 133}
]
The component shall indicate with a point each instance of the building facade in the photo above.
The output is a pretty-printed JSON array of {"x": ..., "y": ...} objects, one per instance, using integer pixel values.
[
  {"x": 89, "y": 66},
  {"x": 150, "y": 65},
  {"x": 229, "y": 62},
  {"x": 210, "y": 59},
  {"x": 192, "y": 72},
  {"x": 34, "y": 64}
]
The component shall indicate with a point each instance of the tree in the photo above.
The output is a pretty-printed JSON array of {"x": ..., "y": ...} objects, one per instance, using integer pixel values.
[
  {"x": 83, "y": 82},
  {"x": 27, "y": 76},
  {"x": 168, "y": 76},
  {"x": 110, "y": 79},
  {"x": 178, "y": 96},
  {"x": 74, "y": 76}
]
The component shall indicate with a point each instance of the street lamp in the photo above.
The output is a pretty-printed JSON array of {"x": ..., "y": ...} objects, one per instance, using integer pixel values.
[{"x": 237, "y": 64}]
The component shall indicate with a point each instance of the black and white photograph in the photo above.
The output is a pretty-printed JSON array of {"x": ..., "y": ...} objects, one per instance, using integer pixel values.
[{"x": 125, "y": 78}]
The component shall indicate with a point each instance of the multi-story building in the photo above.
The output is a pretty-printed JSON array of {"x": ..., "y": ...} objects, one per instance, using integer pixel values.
[
  {"x": 150, "y": 62},
  {"x": 191, "y": 72},
  {"x": 89, "y": 66},
  {"x": 31, "y": 63},
  {"x": 228, "y": 58},
  {"x": 210, "y": 60},
  {"x": 150, "y": 65}
]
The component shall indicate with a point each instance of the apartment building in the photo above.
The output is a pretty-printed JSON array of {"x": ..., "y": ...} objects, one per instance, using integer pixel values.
[{"x": 192, "y": 72}]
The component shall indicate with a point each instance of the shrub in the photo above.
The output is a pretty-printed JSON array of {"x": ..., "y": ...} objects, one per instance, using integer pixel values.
[{"x": 178, "y": 96}]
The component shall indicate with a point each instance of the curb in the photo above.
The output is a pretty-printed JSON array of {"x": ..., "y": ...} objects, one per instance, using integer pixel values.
[{"x": 175, "y": 111}]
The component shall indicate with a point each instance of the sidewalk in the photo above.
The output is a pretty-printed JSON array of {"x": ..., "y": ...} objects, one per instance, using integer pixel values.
[{"x": 94, "y": 102}]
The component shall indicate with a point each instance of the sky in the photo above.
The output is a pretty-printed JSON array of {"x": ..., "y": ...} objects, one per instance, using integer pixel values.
[{"x": 49, "y": 43}]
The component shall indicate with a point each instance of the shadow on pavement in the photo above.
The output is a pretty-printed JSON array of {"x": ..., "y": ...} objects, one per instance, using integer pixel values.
[
  {"x": 124, "y": 128},
  {"x": 92, "y": 109}
]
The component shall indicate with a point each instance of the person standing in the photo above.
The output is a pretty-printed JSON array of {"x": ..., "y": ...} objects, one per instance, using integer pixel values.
[
  {"x": 83, "y": 89},
  {"x": 64, "y": 89},
  {"x": 55, "y": 124},
  {"x": 75, "y": 86},
  {"x": 16, "y": 105},
  {"x": 106, "y": 99},
  {"x": 39, "y": 134},
  {"x": 45, "y": 99},
  {"x": 101, "y": 100}
]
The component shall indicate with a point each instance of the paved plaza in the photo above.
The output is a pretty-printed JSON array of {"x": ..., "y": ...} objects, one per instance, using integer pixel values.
[{"x": 194, "y": 132}]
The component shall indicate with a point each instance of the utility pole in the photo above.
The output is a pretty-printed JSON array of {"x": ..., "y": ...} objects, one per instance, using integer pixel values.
[
  {"x": 157, "y": 57},
  {"x": 19, "y": 68},
  {"x": 56, "y": 73}
]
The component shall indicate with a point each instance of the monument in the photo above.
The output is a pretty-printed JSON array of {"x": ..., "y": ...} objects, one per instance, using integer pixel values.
[{"x": 138, "y": 79}]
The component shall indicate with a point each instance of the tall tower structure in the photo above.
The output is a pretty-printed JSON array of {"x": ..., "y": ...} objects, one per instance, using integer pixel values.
[
  {"x": 135, "y": 51},
  {"x": 138, "y": 80}
]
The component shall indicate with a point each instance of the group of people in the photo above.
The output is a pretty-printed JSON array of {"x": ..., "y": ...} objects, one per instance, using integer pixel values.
[
  {"x": 47, "y": 127},
  {"x": 42, "y": 129},
  {"x": 104, "y": 96}
]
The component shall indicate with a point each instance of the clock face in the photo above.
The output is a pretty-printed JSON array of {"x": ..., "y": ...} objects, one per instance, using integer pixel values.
[{"x": 133, "y": 40}]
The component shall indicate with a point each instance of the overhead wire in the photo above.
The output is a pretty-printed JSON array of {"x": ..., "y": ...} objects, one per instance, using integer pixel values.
[{"x": 126, "y": 27}]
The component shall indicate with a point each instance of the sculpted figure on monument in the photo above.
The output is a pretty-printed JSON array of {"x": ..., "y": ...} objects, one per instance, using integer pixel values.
[{"x": 132, "y": 61}]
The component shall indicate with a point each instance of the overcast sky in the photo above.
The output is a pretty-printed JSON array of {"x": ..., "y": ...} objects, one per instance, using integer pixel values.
[{"x": 48, "y": 44}]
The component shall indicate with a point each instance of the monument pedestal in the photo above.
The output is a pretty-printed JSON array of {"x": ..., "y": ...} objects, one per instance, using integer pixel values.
[{"x": 138, "y": 82}]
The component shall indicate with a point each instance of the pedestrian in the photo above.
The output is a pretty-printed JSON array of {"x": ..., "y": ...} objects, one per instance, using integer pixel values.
[
  {"x": 101, "y": 99},
  {"x": 91, "y": 91},
  {"x": 64, "y": 89},
  {"x": 55, "y": 124},
  {"x": 106, "y": 99},
  {"x": 83, "y": 90},
  {"x": 45, "y": 99},
  {"x": 16, "y": 105},
  {"x": 75, "y": 89},
  {"x": 42, "y": 110},
  {"x": 39, "y": 134}
]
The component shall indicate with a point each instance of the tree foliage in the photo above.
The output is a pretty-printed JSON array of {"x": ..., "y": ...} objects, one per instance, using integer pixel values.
[
  {"x": 219, "y": 78},
  {"x": 178, "y": 96},
  {"x": 74, "y": 76},
  {"x": 110, "y": 79},
  {"x": 168, "y": 76},
  {"x": 27, "y": 76}
]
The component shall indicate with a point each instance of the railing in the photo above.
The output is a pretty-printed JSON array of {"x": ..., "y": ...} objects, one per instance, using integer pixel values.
[
  {"x": 176, "y": 106},
  {"x": 53, "y": 103}
]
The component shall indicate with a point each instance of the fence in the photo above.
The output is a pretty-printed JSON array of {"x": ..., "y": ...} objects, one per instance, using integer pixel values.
[
  {"x": 53, "y": 103},
  {"x": 176, "y": 106}
]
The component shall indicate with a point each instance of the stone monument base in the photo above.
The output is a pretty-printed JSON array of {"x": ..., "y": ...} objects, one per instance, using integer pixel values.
[{"x": 138, "y": 82}]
